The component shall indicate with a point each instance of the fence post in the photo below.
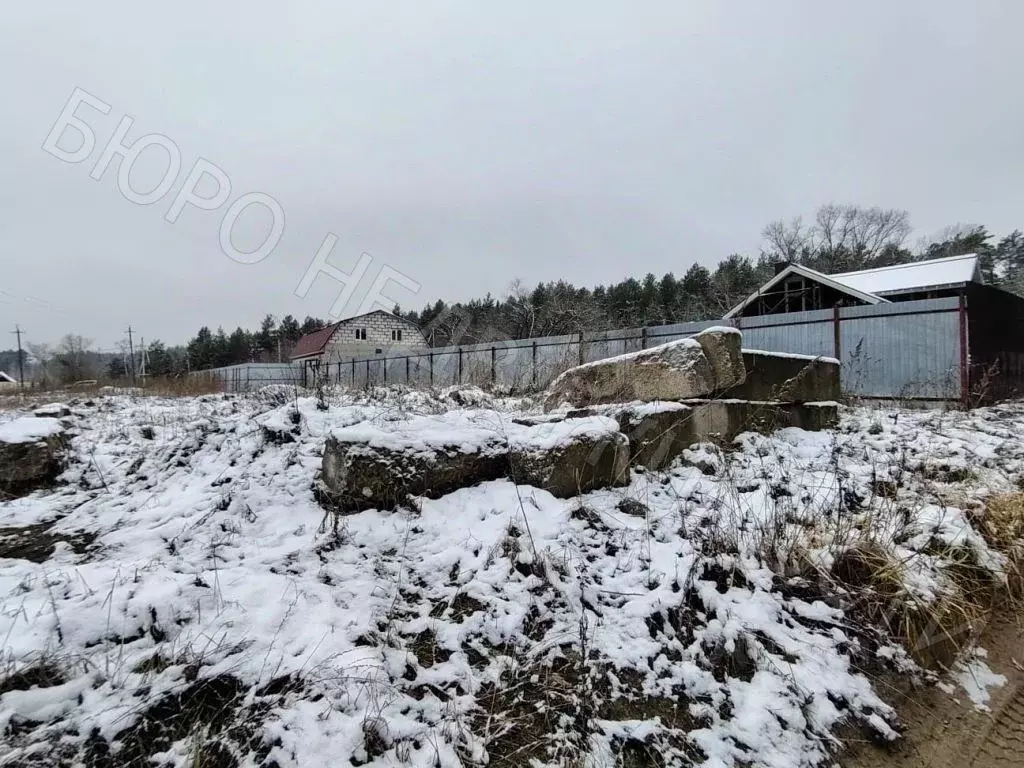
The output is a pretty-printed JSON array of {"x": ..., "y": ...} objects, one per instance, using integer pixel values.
[
  {"x": 837, "y": 337},
  {"x": 431, "y": 369},
  {"x": 367, "y": 372},
  {"x": 494, "y": 371},
  {"x": 384, "y": 369},
  {"x": 460, "y": 366},
  {"x": 581, "y": 348},
  {"x": 407, "y": 370},
  {"x": 535, "y": 364},
  {"x": 353, "y": 373},
  {"x": 965, "y": 356},
  {"x": 643, "y": 337}
]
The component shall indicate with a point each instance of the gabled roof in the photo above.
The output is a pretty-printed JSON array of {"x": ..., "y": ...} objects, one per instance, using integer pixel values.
[
  {"x": 314, "y": 343},
  {"x": 7, "y": 379},
  {"x": 811, "y": 274},
  {"x": 916, "y": 276}
]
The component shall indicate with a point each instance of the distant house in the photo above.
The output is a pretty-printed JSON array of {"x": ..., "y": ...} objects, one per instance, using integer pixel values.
[
  {"x": 7, "y": 382},
  {"x": 796, "y": 288},
  {"x": 362, "y": 336}
]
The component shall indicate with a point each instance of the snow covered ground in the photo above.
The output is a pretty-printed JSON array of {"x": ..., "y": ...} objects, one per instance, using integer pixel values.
[{"x": 197, "y": 606}]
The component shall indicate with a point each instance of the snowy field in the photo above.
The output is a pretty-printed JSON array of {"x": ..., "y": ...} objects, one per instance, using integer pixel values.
[{"x": 179, "y": 598}]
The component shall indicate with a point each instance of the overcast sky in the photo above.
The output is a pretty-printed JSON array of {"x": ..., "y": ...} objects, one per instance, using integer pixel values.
[{"x": 465, "y": 144}]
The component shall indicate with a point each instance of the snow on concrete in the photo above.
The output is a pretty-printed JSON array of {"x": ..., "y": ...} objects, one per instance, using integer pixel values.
[
  {"x": 670, "y": 354},
  {"x": 212, "y": 555},
  {"x": 470, "y": 430},
  {"x": 29, "y": 429},
  {"x": 793, "y": 356}
]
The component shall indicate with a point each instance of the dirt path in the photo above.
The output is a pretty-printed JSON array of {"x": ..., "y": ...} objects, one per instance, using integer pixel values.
[{"x": 946, "y": 731}]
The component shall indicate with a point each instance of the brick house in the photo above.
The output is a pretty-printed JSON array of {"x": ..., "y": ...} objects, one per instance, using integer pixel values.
[{"x": 362, "y": 336}]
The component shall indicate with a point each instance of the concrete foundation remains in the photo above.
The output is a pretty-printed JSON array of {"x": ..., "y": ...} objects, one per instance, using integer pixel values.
[{"x": 718, "y": 393}]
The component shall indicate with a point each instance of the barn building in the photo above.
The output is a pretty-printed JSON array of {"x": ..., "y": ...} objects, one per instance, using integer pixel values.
[
  {"x": 991, "y": 319},
  {"x": 795, "y": 288},
  {"x": 373, "y": 333}
]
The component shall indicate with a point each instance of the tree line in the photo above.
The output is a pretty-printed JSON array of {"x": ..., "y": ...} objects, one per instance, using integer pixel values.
[{"x": 838, "y": 238}]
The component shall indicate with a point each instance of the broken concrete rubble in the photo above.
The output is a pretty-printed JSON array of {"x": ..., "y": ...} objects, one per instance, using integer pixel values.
[
  {"x": 31, "y": 454},
  {"x": 678, "y": 370},
  {"x": 579, "y": 464},
  {"x": 659, "y": 432},
  {"x": 787, "y": 378},
  {"x": 372, "y": 466},
  {"x": 721, "y": 345},
  {"x": 640, "y": 409}
]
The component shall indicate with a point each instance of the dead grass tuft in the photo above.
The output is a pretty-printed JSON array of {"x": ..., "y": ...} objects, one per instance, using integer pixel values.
[
  {"x": 1003, "y": 528},
  {"x": 45, "y": 674},
  {"x": 933, "y": 632},
  {"x": 186, "y": 386}
]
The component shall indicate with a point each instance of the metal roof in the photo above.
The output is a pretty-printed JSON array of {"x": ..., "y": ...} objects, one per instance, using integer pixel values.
[
  {"x": 918, "y": 275},
  {"x": 314, "y": 343},
  {"x": 812, "y": 274},
  {"x": 872, "y": 286}
]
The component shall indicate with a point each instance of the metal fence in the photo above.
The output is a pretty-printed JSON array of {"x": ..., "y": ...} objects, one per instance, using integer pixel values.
[
  {"x": 909, "y": 350},
  {"x": 249, "y": 376}
]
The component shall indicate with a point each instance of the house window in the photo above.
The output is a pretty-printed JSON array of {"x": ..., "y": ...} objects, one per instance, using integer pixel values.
[
  {"x": 396, "y": 334},
  {"x": 361, "y": 334}
]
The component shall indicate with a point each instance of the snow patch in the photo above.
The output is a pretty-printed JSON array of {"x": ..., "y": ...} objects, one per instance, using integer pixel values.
[
  {"x": 977, "y": 679},
  {"x": 29, "y": 429}
]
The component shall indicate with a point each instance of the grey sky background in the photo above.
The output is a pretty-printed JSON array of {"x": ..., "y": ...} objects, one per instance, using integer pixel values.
[{"x": 466, "y": 144}]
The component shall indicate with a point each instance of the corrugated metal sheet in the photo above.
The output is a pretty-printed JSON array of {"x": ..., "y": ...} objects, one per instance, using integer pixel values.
[
  {"x": 904, "y": 350},
  {"x": 898, "y": 350}
]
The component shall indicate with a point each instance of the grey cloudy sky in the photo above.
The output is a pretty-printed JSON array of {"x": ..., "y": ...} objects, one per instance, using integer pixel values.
[{"x": 466, "y": 144}]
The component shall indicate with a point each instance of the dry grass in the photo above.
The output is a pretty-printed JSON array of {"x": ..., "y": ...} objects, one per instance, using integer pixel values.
[
  {"x": 187, "y": 386},
  {"x": 184, "y": 387},
  {"x": 934, "y": 632},
  {"x": 1003, "y": 528}
]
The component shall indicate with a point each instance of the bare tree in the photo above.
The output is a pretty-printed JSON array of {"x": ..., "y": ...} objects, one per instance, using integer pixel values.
[
  {"x": 449, "y": 328},
  {"x": 41, "y": 357},
  {"x": 865, "y": 232},
  {"x": 789, "y": 240},
  {"x": 73, "y": 358},
  {"x": 521, "y": 309},
  {"x": 842, "y": 237}
]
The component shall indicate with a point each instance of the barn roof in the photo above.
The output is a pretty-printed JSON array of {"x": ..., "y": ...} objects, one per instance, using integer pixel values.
[
  {"x": 812, "y": 274},
  {"x": 916, "y": 276},
  {"x": 873, "y": 286},
  {"x": 7, "y": 379}
]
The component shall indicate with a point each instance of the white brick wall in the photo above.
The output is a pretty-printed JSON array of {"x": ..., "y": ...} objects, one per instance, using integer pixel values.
[{"x": 379, "y": 326}]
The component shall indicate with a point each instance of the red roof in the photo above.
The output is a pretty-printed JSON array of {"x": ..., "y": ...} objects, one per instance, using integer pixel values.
[{"x": 314, "y": 343}]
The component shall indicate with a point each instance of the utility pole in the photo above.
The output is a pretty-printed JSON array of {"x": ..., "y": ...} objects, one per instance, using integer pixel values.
[
  {"x": 21, "y": 358},
  {"x": 131, "y": 354}
]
